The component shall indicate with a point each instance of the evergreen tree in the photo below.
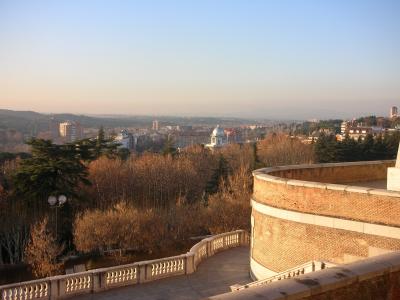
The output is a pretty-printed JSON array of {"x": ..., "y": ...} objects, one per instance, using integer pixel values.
[
  {"x": 52, "y": 170},
  {"x": 101, "y": 143},
  {"x": 256, "y": 160},
  {"x": 379, "y": 149},
  {"x": 169, "y": 148},
  {"x": 92, "y": 149},
  {"x": 325, "y": 148},
  {"x": 367, "y": 148},
  {"x": 123, "y": 153},
  {"x": 348, "y": 150},
  {"x": 391, "y": 142},
  {"x": 86, "y": 150},
  {"x": 220, "y": 173}
]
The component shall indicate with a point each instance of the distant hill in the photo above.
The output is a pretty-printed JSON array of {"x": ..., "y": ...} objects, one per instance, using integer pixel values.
[
  {"x": 29, "y": 122},
  {"x": 23, "y": 121}
]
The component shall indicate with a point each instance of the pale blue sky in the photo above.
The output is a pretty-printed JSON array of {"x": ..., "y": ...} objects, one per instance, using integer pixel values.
[{"x": 273, "y": 59}]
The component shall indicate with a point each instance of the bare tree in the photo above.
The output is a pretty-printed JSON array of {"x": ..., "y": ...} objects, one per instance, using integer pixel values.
[
  {"x": 229, "y": 209},
  {"x": 280, "y": 149},
  {"x": 42, "y": 251}
]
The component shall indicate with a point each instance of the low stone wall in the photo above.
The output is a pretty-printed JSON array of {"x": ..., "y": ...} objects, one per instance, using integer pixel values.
[
  {"x": 295, "y": 221},
  {"x": 372, "y": 278},
  {"x": 98, "y": 280},
  {"x": 340, "y": 173}
]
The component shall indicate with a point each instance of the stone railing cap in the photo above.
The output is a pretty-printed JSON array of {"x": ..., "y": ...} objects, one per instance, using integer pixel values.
[
  {"x": 321, "y": 281},
  {"x": 265, "y": 174}
]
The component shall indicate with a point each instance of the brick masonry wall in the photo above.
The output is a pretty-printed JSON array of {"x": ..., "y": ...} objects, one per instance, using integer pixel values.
[
  {"x": 279, "y": 244},
  {"x": 380, "y": 209},
  {"x": 339, "y": 174}
]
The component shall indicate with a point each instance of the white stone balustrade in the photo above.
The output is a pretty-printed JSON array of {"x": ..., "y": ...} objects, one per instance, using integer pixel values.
[
  {"x": 37, "y": 289},
  {"x": 97, "y": 280},
  {"x": 305, "y": 268}
]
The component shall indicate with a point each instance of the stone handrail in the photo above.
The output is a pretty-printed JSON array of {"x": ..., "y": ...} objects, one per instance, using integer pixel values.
[
  {"x": 311, "y": 266},
  {"x": 98, "y": 280}
]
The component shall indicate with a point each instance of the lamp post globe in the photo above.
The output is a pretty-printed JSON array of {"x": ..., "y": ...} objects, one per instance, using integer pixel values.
[
  {"x": 52, "y": 200},
  {"x": 62, "y": 199}
]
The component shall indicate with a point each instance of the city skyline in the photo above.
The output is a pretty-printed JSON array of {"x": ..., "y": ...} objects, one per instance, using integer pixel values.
[{"x": 291, "y": 60}]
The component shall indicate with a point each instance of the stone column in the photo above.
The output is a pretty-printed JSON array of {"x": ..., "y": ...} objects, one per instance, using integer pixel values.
[
  {"x": 54, "y": 292},
  {"x": 98, "y": 280},
  {"x": 142, "y": 272},
  {"x": 189, "y": 265},
  {"x": 393, "y": 175}
]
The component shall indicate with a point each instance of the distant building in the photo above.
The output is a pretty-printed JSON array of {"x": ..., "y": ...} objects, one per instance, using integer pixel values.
[
  {"x": 71, "y": 131},
  {"x": 155, "y": 125},
  {"x": 231, "y": 136},
  {"x": 184, "y": 127},
  {"x": 218, "y": 138},
  {"x": 344, "y": 127},
  {"x": 187, "y": 138},
  {"x": 393, "y": 112},
  {"x": 360, "y": 132},
  {"x": 313, "y": 120},
  {"x": 126, "y": 140}
]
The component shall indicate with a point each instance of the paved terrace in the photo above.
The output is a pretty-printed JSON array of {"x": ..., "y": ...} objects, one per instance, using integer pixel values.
[{"x": 213, "y": 276}]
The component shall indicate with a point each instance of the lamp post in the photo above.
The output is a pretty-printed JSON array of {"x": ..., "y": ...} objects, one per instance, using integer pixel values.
[{"x": 56, "y": 202}]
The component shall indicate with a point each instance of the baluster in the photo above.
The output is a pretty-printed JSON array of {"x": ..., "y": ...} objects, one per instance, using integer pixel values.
[
  {"x": 30, "y": 292},
  {"x": 35, "y": 291},
  {"x": 20, "y": 291}
]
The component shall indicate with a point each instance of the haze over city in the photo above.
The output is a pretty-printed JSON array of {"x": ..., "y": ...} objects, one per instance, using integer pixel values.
[{"x": 265, "y": 59}]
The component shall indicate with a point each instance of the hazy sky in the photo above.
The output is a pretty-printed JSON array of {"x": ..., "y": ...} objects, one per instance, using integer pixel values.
[{"x": 272, "y": 59}]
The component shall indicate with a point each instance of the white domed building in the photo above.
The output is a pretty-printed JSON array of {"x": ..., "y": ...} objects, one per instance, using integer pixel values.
[{"x": 218, "y": 138}]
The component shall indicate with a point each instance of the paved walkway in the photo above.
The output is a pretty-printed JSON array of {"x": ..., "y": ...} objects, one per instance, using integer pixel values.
[{"x": 214, "y": 276}]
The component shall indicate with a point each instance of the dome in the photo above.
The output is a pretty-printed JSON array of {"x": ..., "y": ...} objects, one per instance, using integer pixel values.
[{"x": 218, "y": 131}]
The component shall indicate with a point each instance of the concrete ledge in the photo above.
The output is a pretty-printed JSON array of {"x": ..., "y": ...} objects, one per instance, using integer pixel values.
[
  {"x": 357, "y": 189},
  {"x": 334, "y": 283},
  {"x": 386, "y": 193}
]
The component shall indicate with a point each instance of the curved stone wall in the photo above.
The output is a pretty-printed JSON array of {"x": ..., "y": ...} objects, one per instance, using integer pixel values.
[{"x": 295, "y": 220}]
